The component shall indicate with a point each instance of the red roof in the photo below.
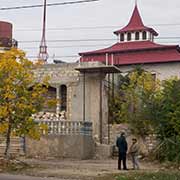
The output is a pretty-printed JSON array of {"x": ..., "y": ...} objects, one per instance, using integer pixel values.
[
  {"x": 135, "y": 57},
  {"x": 136, "y": 24},
  {"x": 130, "y": 46},
  {"x": 160, "y": 56}
]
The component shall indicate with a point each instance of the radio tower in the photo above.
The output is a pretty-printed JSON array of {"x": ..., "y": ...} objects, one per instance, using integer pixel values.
[{"x": 43, "y": 54}]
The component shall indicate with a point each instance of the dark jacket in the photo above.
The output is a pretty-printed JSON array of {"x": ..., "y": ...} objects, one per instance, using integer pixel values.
[{"x": 121, "y": 143}]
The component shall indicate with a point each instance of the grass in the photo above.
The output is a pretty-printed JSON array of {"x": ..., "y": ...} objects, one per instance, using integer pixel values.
[
  {"x": 149, "y": 176},
  {"x": 173, "y": 175},
  {"x": 13, "y": 166}
]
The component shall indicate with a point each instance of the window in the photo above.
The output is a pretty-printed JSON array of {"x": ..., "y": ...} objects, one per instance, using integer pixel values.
[
  {"x": 63, "y": 96},
  {"x": 153, "y": 76},
  {"x": 51, "y": 94},
  {"x": 128, "y": 36},
  {"x": 144, "y": 35},
  {"x": 137, "y": 36},
  {"x": 122, "y": 37}
]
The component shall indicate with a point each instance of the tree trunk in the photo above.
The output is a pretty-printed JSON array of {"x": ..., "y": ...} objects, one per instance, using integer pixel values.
[{"x": 8, "y": 140}]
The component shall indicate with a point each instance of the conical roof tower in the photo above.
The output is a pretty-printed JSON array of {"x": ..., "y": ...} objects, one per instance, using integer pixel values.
[{"x": 136, "y": 26}]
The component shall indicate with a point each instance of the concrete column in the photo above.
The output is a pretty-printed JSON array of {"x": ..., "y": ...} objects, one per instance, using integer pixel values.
[
  {"x": 133, "y": 36},
  {"x": 119, "y": 37},
  {"x": 140, "y": 36},
  {"x": 107, "y": 59},
  {"x": 125, "y": 37},
  {"x": 112, "y": 59},
  {"x": 148, "y": 36},
  {"x": 58, "y": 100}
]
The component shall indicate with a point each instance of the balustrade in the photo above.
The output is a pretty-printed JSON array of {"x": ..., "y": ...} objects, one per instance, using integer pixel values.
[{"x": 67, "y": 127}]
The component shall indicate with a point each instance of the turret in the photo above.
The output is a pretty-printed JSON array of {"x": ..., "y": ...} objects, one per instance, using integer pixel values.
[{"x": 135, "y": 30}]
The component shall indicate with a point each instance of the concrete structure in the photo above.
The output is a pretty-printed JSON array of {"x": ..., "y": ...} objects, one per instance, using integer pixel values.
[
  {"x": 86, "y": 92},
  {"x": 80, "y": 117},
  {"x": 61, "y": 146}
]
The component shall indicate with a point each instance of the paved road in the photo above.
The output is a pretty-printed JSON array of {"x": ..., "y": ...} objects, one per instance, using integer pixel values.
[{"x": 18, "y": 177}]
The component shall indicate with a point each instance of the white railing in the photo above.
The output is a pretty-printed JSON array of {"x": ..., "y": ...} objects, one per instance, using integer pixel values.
[{"x": 67, "y": 127}]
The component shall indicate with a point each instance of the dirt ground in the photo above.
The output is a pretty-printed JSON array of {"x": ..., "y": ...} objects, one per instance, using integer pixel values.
[{"x": 80, "y": 169}]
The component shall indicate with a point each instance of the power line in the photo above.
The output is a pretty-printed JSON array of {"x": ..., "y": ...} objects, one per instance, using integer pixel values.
[
  {"x": 87, "y": 40},
  {"x": 84, "y": 45},
  {"x": 66, "y": 40},
  {"x": 90, "y": 27},
  {"x": 68, "y": 56},
  {"x": 52, "y": 4}
]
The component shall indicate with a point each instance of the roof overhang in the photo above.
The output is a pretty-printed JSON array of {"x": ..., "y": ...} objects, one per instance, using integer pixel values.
[
  {"x": 100, "y": 69},
  {"x": 141, "y": 29}
]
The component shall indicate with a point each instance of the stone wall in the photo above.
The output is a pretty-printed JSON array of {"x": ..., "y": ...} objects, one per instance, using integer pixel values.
[
  {"x": 61, "y": 146},
  {"x": 66, "y": 74},
  {"x": 147, "y": 144}
]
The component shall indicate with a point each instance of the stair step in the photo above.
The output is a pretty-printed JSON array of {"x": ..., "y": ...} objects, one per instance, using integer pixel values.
[{"x": 15, "y": 146}]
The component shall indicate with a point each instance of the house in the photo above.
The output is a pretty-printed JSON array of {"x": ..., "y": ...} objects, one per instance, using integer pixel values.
[
  {"x": 136, "y": 46},
  {"x": 80, "y": 117}
]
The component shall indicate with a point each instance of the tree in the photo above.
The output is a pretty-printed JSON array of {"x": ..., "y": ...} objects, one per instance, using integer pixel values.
[
  {"x": 167, "y": 122},
  {"x": 20, "y": 96},
  {"x": 135, "y": 100}
]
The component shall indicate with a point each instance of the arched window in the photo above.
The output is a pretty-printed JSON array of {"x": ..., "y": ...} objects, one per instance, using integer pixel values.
[
  {"x": 144, "y": 35},
  {"x": 128, "y": 36},
  {"x": 137, "y": 36},
  {"x": 63, "y": 97},
  {"x": 122, "y": 37},
  {"x": 51, "y": 94}
]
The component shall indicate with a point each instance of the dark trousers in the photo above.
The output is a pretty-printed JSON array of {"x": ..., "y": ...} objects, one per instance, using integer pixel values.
[{"x": 122, "y": 157}]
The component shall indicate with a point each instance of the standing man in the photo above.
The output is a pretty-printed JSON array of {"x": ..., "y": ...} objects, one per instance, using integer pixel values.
[
  {"x": 121, "y": 143},
  {"x": 134, "y": 152}
]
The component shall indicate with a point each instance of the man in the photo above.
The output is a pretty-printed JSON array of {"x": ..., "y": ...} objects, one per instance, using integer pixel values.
[
  {"x": 121, "y": 143},
  {"x": 134, "y": 152}
]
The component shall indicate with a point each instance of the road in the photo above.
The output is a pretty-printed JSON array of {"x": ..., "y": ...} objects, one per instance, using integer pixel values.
[{"x": 19, "y": 177}]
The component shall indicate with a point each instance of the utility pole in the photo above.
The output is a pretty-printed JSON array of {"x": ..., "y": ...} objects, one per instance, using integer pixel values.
[{"x": 43, "y": 54}]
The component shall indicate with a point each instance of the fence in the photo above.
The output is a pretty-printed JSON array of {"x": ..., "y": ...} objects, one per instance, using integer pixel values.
[{"x": 67, "y": 127}]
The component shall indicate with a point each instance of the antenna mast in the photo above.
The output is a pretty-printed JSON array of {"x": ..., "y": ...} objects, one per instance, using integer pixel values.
[{"x": 43, "y": 54}]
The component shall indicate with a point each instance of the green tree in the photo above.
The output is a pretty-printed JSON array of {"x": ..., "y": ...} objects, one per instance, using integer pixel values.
[
  {"x": 20, "y": 96},
  {"x": 135, "y": 101},
  {"x": 167, "y": 123}
]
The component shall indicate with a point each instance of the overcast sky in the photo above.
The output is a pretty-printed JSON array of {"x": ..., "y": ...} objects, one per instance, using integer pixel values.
[{"x": 87, "y": 21}]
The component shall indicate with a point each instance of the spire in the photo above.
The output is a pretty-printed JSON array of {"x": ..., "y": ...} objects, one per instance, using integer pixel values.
[
  {"x": 135, "y": 2},
  {"x": 136, "y": 20},
  {"x": 135, "y": 23}
]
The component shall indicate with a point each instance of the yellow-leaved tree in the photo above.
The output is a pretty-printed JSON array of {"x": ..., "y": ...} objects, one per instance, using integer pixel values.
[
  {"x": 20, "y": 96},
  {"x": 135, "y": 101}
]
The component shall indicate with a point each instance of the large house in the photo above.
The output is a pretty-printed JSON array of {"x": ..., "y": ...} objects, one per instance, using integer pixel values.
[{"x": 136, "y": 46}]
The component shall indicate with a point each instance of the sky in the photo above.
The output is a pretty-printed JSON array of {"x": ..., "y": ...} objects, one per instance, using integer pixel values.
[{"x": 69, "y": 24}]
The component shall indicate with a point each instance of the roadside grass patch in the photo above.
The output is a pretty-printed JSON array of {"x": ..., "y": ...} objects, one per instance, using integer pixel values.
[
  {"x": 174, "y": 175},
  {"x": 13, "y": 166}
]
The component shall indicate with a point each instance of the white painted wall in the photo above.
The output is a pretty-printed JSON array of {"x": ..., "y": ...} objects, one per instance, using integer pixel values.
[{"x": 162, "y": 70}]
